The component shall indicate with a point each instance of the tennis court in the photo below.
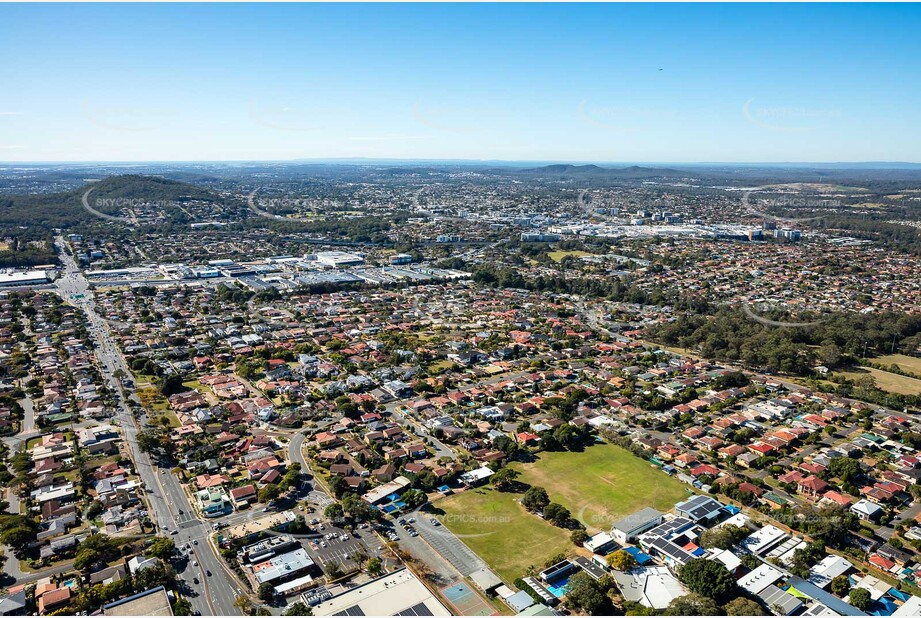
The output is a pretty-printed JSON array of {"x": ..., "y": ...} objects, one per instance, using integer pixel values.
[{"x": 466, "y": 601}]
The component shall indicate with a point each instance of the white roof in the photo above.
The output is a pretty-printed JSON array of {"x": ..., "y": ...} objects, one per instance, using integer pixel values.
[
  {"x": 600, "y": 539},
  {"x": 761, "y": 578},
  {"x": 874, "y": 585},
  {"x": 911, "y": 607},
  {"x": 389, "y": 595},
  {"x": 831, "y": 567},
  {"x": 761, "y": 539},
  {"x": 739, "y": 519},
  {"x": 22, "y": 277},
  {"x": 477, "y": 474},
  {"x": 662, "y": 588},
  {"x": 653, "y": 587},
  {"x": 729, "y": 559},
  {"x": 865, "y": 506}
]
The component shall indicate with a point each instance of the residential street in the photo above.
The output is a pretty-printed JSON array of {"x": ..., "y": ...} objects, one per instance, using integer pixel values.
[{"x": 170, "y": 508}]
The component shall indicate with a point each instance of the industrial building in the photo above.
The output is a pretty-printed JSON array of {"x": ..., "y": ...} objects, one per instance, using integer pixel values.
[
  {"x": 339, "y": 259},
  {"x": 31, "y": 277}
]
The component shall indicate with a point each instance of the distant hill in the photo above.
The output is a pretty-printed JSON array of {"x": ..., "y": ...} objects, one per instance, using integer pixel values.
[
  {"x": 36, "y": 215},
  {"x": 596, "y": 171},
  {"x": 153, "y": 188}
]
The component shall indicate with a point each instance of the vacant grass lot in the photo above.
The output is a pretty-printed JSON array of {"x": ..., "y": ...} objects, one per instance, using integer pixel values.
[
  {"x": 892, "y": 382},
  {"x": 501, "y": 531},
  {"x": 602, "y": 484},
  {"x": 905, "y": 363}
]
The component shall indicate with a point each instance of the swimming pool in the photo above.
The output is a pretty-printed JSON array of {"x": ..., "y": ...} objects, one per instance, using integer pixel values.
[{"x": 559, "y": 587}]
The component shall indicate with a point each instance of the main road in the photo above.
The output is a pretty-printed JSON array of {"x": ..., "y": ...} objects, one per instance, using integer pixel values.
[{"x": 170, "y": 508}]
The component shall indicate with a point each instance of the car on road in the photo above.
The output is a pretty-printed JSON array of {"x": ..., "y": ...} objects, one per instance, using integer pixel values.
[
  {"x": 208, "y": 573},
  {"x": 195, "y": 563},
  {"x": 194, "y": 541},
  {"x": 174, "y": 532},
  {"x": 434, "y": 522},
  {"x": 195, "y": 580}
]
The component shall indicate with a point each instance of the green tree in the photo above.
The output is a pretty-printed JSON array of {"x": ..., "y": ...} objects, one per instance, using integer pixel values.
[
  {"x": 243, "y": 603},
  {"x": 182, "y": 607},
  {"x": 163, "y": 548},
  {"x": 19, "y": 537},
  {"x": 266, "y": 591},
  {"x": 585, "y": 594},
  {"x": 86, "y": 560},
  {"x": 722, "y": 537},
  {"x": 158, "y": 575},
  {"x": 504, "y": 478},
  {"x": 334, "y": 512},
  {"x": 171, "y": 384},
  {"x": 557, "y": 514},
  {"x": 535, "y": 499},
  {"x": 845, "y": 468},
  {"x": 578, "y": 537},
  {"x": 298, "y": 608},
  {"x": 693, "y": 605},
  {"x": 841, "y": 585},
  {"x": 708, "y": 578},
  {"x": 859, "y": 598},
  {"x": 621, "y": 560},
  {"x": 374, "y": 566},
  {"x": 415, "y": 497},
  {"x": 269, "y": 492},
  {"x": 740, "y": 606},
  {"x": 357, "y": 508}
]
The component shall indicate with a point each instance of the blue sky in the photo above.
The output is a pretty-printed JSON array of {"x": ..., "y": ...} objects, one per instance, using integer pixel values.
[{"x": 605, "y": 83}]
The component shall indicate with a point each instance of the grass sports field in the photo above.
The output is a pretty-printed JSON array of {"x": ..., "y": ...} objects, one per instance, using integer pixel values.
[
  {"x": 501, "y": 531},
  {"x": 602, "y": 484},
  {"x": 599, "y": 486},
  {"x": 557, "y": 256}
]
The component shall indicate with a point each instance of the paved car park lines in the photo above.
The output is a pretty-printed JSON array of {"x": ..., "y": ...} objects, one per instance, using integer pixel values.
[
  {"x": 452, "y": 548},
  {"x": 348, "y": 552}
]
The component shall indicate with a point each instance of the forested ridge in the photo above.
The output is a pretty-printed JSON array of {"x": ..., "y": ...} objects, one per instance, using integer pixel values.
[{"x": 838, "y": 339}]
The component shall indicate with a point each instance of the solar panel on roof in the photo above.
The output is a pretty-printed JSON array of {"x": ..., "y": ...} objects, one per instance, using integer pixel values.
[
  {"x": 419, "y": 609},
  {"x": 351, "y": 611}
]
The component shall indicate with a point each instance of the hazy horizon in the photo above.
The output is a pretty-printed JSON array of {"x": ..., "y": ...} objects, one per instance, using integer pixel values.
[{"x": 682, "y": 84}]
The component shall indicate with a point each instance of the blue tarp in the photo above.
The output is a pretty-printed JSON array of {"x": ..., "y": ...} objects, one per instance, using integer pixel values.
[
  {"x": 638, "y": 555},
  {"x": 899, "y": 594},
  {"x": 883, "y": 607},
  {"x": 732, "y": 510}
]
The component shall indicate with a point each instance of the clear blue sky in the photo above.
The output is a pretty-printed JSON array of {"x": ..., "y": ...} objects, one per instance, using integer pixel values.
[{"x": 607, "y": 83}]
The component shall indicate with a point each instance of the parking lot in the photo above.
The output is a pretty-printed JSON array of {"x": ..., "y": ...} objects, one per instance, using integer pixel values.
[{"x": 333, "y": 544}]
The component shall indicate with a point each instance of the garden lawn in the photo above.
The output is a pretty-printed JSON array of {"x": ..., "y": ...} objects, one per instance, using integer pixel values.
[{"x": 602, "y": 484}]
